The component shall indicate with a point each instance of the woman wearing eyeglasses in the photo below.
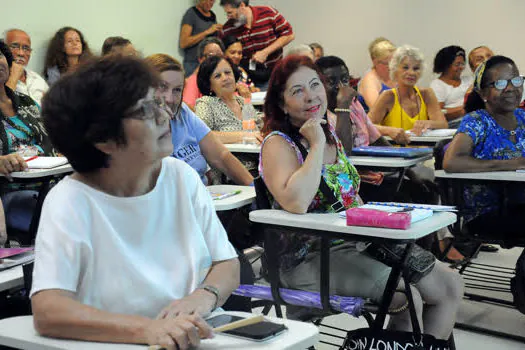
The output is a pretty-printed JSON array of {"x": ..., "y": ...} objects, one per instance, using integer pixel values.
[
  {"x": 491, "y": 137},
  {"x": 193, "y": 140},
  {"x": 450, "y": 87},
  {"x": 406, "y": 107},
  {"x": 129, "y": 248}
]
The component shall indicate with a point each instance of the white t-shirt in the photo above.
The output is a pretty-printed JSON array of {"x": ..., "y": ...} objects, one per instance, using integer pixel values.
[
  {"x": 131, "y": 255},
  {"x": 450, "y": 95},
  {"x": 35, "y": 86}
]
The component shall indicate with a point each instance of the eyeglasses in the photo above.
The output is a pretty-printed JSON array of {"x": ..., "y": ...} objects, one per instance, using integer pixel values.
[
  {"x": 501, "y": 84},
  {"x": 152, "y": 109},
  {"x": 458, "y": 64},
  {"x": 25, "y": 48}
]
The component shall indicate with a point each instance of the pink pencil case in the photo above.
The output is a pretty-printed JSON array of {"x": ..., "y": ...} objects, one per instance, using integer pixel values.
[{"x": 377, "y": 218}]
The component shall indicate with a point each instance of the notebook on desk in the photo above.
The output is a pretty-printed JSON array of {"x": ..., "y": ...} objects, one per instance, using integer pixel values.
[
  {"x": 385, "y": 151},
  {"x": 45, "y": 162},
  {"x": 15, "y": 256},
  {"x": 436, "y": 133}
]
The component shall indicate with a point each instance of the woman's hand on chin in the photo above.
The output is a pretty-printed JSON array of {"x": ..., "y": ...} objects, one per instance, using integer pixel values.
[{"x": 313, "y": 132}]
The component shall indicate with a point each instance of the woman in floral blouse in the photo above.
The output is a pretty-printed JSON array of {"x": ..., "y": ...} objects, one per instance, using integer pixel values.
[
  {"x": 220, "y": 108},
  {"x": 295, "y": 112},
  {"x": 491, "y": 137}
]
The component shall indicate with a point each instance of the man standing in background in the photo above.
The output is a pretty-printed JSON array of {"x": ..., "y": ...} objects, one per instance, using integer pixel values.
[
  {"x": 198, "y": 23},
  {"x": 263, "y": 32},
  {"x": 22, "y": 79}
]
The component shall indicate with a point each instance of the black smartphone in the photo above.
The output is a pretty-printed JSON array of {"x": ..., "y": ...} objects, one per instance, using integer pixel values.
[{"x": 258, "y": 332}]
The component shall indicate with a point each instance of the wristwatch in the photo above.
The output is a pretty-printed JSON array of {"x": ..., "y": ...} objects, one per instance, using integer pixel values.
[{"x": 212, "y": 290}]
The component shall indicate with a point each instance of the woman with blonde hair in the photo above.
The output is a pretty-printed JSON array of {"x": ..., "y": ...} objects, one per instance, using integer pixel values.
[
  {"x": 377, "y": 79},
  {"x": 193, "y": 141},
  {"x": 407, "y": 107}
]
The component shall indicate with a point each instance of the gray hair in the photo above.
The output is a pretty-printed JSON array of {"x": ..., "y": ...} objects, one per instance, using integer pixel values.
[
  {"x": 301, "y": 49},
  {"x": 4, "y": 34},
  {"x": 403, "y": 52},
  {"x": 206, "y": 42}
]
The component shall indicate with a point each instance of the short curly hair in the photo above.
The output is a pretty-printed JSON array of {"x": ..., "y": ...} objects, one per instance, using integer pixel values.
[
  {"x": 206, "y": 70},
  {"x": 446, "y": 56},
  {"x": 87, "y": 107},
  {"x": 6, "y": 51},
  {"x": 401, "y": 53}
]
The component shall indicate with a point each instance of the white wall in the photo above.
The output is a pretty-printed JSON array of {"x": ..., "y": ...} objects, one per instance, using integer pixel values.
[
  {"x": 345, "y": 27},
  {"x": 153, "y": 26}
]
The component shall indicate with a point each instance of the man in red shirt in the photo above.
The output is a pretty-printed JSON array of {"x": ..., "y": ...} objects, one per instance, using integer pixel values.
[{"x": 263, "y": 32}]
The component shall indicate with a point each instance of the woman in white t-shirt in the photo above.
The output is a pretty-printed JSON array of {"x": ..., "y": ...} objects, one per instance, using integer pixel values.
[
  {"x": 450, "y": 87},
  {"x": 129, "y": 248}
]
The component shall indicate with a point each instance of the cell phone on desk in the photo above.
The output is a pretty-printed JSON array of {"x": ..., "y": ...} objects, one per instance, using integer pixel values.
[{"x": 257, "y": 332}]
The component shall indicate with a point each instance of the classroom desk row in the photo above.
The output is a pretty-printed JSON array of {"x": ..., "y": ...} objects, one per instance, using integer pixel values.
[
  {"x": 18, "y": 332},
  {"x": 365, "y": 161}
]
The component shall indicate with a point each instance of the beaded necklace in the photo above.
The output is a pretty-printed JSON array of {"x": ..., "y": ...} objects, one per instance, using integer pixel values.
[{"x": 27, "y": 131}]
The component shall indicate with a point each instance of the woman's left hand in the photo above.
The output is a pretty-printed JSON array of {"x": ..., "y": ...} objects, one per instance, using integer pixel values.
[
  {"x": 199, "y": 302},
  {"x": 420, "y": 126}
]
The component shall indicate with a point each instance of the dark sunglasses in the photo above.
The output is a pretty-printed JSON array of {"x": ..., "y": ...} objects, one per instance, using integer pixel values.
[{"x": 501, "y": 84}]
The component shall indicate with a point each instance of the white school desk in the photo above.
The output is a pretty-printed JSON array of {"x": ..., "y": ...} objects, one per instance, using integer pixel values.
[
  {"x": 368, "y": 161},
  {"x": 330, "y": 226},
  {"x": 247, "y": 196},
  {"x": 242, "y": 148},
  {"x": 335, "y": 223},
  {"x": 41, "y": 173},
  {"x": 388, "y": 162},
  {"x": 11, "y": 278},
  {"x": 424, "y": 139},
  {"x": 258, "y": 98},
  {"x": 19, "y": 332},
  {"x": 488, "y": 176}
]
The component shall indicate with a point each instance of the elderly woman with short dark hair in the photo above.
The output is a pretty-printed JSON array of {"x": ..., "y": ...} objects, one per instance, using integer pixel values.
[{"x": 129, "y": 248}]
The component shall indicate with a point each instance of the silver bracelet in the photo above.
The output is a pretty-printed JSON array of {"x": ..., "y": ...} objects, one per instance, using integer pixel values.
[
  {"x": 212, "y": 290},
  {"x": 346, "y": 110}
]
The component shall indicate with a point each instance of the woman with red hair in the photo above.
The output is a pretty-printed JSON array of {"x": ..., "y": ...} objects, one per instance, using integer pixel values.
[{"x": 295, "y": 117}]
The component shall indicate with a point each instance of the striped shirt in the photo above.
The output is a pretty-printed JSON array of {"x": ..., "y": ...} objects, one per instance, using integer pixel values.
[{"x": 267, "y": 26}]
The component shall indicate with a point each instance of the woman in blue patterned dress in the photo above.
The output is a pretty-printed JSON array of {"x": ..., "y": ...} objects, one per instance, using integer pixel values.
[
  {"x": 491, "y": 137},
  {"x": 295, "y": 111}
]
